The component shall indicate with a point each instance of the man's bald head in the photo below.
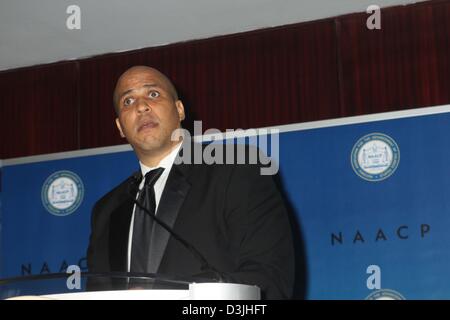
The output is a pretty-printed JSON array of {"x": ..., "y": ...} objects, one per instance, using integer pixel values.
[{"x": 140, "y": 70}]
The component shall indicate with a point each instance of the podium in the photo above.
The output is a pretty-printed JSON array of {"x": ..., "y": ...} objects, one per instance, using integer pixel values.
[{"x": 121, "y": 286}]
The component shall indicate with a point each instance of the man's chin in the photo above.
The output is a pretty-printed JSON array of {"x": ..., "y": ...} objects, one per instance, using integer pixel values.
[
  {"x": 149, "y": 146},
  {"x": 152, "y": 146}
]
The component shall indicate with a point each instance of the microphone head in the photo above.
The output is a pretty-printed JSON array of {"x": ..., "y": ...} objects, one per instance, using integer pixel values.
[{"x": 135, "y": 179}]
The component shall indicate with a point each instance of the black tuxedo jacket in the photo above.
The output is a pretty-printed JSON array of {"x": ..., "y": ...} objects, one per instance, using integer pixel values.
[{"x": 233, "y": 215}]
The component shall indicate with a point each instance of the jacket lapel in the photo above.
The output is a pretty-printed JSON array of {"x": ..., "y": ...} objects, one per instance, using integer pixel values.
[
  {"x": 119, "y": 229},
  {"x": 175, "y": 191}
]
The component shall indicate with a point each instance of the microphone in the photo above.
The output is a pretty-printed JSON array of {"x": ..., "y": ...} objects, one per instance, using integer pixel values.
[{"x": 205, "y": 265}]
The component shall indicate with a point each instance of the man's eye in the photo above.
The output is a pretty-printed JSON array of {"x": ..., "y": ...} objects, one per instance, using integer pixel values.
[
  {"x": 128, "y": 101},
  {"x": 153, "y": 94}
]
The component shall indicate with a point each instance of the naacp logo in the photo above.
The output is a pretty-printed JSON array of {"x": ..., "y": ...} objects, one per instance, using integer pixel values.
[
  {"x": 385, "y": 294},
  {"x": 62, "y": 193},
  {"x": 375, "y": 157}
]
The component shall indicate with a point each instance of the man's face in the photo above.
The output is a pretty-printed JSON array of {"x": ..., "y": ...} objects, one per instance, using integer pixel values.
[{"x": 147, "y": 111}]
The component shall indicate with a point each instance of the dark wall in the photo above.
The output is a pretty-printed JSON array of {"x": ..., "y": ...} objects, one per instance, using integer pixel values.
[{"x": 310, "y": 71}]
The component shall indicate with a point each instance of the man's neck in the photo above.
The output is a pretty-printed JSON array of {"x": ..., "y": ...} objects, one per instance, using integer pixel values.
[{"x": 154, "y": 158}]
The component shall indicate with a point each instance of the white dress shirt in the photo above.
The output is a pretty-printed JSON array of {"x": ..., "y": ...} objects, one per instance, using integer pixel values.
[{"x": 159, "y": 185}]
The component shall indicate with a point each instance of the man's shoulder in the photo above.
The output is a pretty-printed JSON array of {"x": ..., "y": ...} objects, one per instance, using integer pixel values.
[{"x": 119, "y": 192}]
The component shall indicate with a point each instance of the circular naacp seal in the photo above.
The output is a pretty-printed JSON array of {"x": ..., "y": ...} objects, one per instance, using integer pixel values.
[
  {"x": 375, "y": 157},
  {"x": 62, "y": 193},
  {"x": 385, "y": 294}
]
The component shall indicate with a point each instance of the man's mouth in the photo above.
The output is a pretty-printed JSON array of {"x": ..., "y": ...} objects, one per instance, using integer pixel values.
[{"x": 150, "y": 124}]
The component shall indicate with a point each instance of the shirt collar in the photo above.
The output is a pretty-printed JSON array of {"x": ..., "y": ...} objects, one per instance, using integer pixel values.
[{"x": 165, "y": 163}]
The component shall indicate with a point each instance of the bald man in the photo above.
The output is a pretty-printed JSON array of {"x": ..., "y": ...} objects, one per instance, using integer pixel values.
[{"x": 231, "y": 214}]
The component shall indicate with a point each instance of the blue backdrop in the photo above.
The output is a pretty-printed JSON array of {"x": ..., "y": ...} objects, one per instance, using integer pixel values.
[{"x": 348, "y": 223}]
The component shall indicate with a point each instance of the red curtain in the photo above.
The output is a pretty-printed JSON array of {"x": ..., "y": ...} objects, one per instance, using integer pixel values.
[
  {"x": 39, "y": 110},
  {"x": 404, "y": 65},
  {"x": 249, "y": 80},
  {"x": 310, "y": 71}
]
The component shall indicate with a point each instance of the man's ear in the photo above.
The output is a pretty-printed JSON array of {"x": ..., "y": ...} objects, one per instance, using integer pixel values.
[
  {"x": 119, "y": 127},
  {"x": 180, "y": 109}
]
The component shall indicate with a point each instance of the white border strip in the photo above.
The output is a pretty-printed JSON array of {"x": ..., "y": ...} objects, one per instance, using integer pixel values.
[
  {"x": 65, "y": 155},
  {"x": 410, "y": 113},
  {"x": 283, "y": 128}
]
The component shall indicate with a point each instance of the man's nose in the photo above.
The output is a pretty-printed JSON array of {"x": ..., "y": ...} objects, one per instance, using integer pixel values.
[{"x": 143, "y": 106}]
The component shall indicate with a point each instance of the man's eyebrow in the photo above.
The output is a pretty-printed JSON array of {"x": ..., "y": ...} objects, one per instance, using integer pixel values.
[{"x": 147, "y": 85}]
